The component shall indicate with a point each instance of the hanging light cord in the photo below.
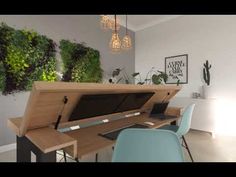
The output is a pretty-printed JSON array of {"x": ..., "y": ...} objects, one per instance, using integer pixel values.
[
  {"x": 126, "y": 26},
  {"x": 115, "y": 24}
]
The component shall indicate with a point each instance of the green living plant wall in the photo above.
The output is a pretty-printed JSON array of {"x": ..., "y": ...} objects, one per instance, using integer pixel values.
[
  {"x": 81, "y": 63},
  {"x": 25, "y": 57}
]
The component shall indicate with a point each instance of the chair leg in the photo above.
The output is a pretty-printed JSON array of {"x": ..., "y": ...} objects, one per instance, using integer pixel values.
[
  {"x": 96, "y": 157},
  {"x": 64, "y": 154},
  {"x": 186, "y": 146}
]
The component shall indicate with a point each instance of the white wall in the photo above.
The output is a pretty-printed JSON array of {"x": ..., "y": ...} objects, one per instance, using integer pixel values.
[
  {"x": 202, "y": 37},
  {"x": 80, "y": 28}
]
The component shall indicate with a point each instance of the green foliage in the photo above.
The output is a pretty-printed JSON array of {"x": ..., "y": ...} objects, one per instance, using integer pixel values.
[
  {"x": 26, "y": 57},
  {"x": 81, "y": 63},
  {"x": 178, "y": 82},
  {"x": 2, "y": 77},
  {"x": 135, "y": 74},
  {"x": 156, "y": 77},
  {"x": 206, "y": 72}
]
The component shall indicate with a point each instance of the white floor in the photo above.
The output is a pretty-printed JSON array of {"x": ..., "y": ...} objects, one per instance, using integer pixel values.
[{"x": 203, "y": 147}]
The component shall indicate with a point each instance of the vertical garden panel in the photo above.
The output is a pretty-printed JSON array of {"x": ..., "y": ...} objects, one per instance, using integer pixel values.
[
  {"x": 25, "y": 57},
  {"x": 80, "y": 63}
]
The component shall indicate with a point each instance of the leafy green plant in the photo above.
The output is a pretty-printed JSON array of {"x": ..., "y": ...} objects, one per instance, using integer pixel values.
[
  {"x": 159, "y": 78},
  {"x": 153, "y": 76},
  {"x": 26, "y": 57},
  {"x": 81, "y": 63}
]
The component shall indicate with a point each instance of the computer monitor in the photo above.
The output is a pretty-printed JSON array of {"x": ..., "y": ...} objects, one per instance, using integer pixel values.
[
  {"x": 158, "y": 108},
  {"x": 96, "y": 105},
  {"x": 134, "y": 101},
  {"x": 104, "y": 104}
]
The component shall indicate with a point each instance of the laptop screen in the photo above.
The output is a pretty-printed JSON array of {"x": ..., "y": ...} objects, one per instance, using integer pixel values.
[{"x": 159, "y": 108}]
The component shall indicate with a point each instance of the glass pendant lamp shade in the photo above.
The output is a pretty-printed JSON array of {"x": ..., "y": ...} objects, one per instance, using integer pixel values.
[
  {"x": 105, "y": 22},
  {"x": 115, "y": 43},
  {"x": 126, "y": 41}
]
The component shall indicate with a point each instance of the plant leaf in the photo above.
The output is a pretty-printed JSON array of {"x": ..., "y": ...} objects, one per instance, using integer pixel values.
[
  {"x": 156, "y": 79},
  {"x": 135, "y": 74},
  {"x": 116, "y": 72},
  {"x": 140, "y": 83}
]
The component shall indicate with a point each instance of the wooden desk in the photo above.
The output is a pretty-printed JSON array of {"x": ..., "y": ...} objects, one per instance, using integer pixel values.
[
  {"x": 88, "y": 140},
  {"x": 80, "y": 142},
  {"x": 46, "y": 107}
]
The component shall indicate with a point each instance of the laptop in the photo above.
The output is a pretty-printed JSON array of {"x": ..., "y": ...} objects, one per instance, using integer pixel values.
[{"x": 158, "y": 111}]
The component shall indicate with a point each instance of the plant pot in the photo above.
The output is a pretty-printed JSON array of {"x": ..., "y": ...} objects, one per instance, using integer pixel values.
[{"x": 207, "y": 91}]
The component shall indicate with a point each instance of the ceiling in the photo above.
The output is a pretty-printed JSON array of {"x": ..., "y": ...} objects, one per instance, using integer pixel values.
[{"x": 139, "y": 22}]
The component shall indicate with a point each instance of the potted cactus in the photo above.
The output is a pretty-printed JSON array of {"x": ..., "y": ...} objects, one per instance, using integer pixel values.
[{"x": 207, "y": 79}]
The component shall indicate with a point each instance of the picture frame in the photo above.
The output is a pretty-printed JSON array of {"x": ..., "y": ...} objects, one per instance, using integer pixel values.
[{"x": 176, "y": 67}]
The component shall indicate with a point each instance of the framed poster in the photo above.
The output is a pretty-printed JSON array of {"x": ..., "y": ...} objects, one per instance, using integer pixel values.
[{"x": 176, "y": 67}]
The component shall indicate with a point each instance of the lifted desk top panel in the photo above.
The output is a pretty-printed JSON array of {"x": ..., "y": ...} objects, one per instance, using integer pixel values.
[{"x": 46, "y": 101}]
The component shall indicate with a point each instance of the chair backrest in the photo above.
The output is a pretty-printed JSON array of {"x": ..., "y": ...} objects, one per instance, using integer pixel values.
[
  {"x": 185, "y": 123},
  {"x": 147, "y": 145}
]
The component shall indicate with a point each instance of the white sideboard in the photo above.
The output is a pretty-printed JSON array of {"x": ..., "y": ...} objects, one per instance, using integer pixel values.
[{"x": 204, "y": 116}]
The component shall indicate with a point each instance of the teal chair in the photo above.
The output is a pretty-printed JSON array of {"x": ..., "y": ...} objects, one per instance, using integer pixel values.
[
  {"x": 147, "y": 145},
  {"x": 183, "y": 127}
]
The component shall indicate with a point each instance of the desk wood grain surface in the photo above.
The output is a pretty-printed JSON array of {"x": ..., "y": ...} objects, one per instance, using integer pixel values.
[{"x": 88, "y": 140}]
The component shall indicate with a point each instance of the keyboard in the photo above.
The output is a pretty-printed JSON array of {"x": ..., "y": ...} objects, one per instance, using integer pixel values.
[{"x": 112, "y": 135}]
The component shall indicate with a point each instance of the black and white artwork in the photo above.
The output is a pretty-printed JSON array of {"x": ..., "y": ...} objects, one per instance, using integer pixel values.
[{"x": 176, "y": 67}]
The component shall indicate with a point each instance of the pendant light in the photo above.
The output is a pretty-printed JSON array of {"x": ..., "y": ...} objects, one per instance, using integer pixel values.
[
  {"x": 126, "y": 41},
  {"x": 113, "y": 24},
  {"x": 105, "y": 22},
  {"x": 115, "y": 43}
]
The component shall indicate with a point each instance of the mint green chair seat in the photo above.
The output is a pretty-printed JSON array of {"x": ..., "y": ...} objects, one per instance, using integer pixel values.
[
  {"x": 147, "y": 145},
  {"x": 183, "y": 127}
]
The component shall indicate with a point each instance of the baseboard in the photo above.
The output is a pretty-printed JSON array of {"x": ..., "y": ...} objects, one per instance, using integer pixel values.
[{"x": 7, "y": 147}]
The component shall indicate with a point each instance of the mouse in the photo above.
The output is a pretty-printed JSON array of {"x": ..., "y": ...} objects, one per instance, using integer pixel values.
[{"x": 149, "y": 123}]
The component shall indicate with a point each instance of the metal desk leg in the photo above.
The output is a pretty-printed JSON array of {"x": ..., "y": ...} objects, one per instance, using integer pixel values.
[
  {"x": 23, "y": 152},
  {"x": 24, "y": 148}
]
